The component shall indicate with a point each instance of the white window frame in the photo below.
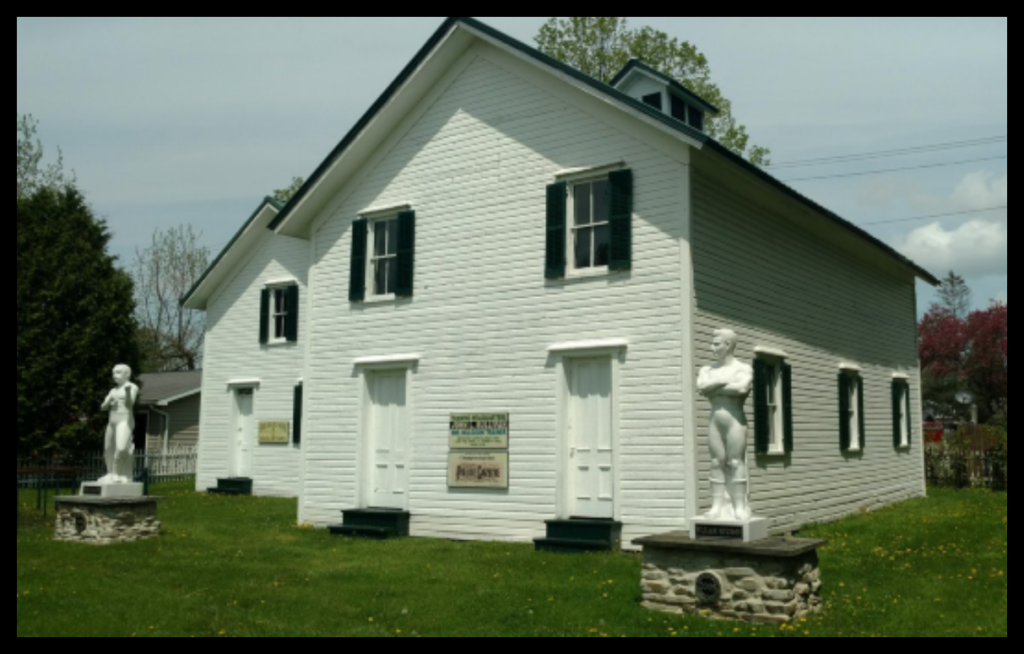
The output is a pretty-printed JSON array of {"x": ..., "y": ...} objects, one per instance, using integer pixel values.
[
  {"x": 853, "y": 418},
  {"x": 775, "y": 359},
  {"x": 372, "y": 258},
  {"x": 903, "y": 381},
  {"x": 572, "y": 230},
  {"x": 276, "y": 287}
]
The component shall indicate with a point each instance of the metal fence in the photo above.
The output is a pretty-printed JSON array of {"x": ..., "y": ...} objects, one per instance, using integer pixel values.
[{"x": 176, "y": 464}]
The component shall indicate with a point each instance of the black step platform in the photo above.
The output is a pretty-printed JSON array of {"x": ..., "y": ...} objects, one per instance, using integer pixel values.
[
  {"x": 579, "y": 535},
  {"x": 232, "y": 486},
  {"x": 373, "y": 524}
]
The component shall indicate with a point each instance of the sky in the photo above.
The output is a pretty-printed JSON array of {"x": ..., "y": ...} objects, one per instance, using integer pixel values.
[{"x": 167, "y": 122}]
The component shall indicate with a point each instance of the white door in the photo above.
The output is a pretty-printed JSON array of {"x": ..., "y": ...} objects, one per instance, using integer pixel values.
[
  {"x": 245, "y": 432},
  {"x": 388, "y": 431},
  {"x": 591, "y": 455}
]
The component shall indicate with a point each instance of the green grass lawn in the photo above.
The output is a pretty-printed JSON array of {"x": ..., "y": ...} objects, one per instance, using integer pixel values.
[{"x": 239, "y": 567}]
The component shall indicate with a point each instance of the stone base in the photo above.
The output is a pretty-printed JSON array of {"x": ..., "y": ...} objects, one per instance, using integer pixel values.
[
  {"x": 110, "y": 521},
  {"x": 729, "y": 530},
  {"x": 111, "y": 491},
  {"x": 767, "y": 582}
]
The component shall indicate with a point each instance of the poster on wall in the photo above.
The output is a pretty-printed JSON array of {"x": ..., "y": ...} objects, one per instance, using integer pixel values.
[
  {"x": 470, "y": 470},
  {"x": 479, "y": 431},
  {"x": 274, "y": 433}
]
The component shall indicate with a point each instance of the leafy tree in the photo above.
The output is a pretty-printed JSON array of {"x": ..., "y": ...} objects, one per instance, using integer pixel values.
[
  {"x": 602, "y": 46},
  {"x": 286, "y": 194},
  {"x": 170, "y": 336},
  {"x": 32, "y": 173},
  {"x": 965, "y": 353},
  {"x": 955, "y": 295},
  {"x": 75, "y": 322}
]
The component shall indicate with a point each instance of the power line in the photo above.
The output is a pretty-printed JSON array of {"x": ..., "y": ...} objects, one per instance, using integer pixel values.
[
  {"x": 938, "y": 215},
  {"x": 894, "y": 170},
  {"x": 881, "y": 154}
]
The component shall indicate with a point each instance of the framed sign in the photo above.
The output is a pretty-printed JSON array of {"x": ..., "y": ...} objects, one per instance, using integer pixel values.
[
  {"x": 479, "y": 431},
  {"x": 479, "y": 471},
  {"x": 274, "y": 433}
]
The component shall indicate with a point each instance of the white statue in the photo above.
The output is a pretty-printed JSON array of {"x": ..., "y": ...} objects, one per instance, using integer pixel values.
[
  {"x": 119, "y": 447},
  {"x": 727, "y": 385}
]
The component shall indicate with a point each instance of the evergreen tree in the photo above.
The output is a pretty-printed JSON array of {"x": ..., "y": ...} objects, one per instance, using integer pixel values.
[{"x": 75, "y": 322}]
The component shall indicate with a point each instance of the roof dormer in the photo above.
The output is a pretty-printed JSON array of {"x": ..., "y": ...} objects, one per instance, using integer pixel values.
[{"x": 643, "y": 83}]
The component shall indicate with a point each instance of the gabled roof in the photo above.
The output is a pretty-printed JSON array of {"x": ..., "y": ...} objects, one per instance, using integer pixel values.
[
  {"x": 635, "y": 107},
  {"x": 636, "y": 65},
  {"x": 163, "y": 388},
  {"x": 249, "y": 233}
]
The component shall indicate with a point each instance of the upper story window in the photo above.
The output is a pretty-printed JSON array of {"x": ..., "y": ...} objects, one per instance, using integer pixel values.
[
  {"x": 279, "y": 314},
  {"x": 383, "y": 255},
  {"x": 590, "y": 224},
  {"x": 773, "y": 403},
  {"x": 591, "y": 230}
]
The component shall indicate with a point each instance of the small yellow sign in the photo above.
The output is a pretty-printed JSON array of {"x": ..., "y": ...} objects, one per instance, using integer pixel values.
[{"x": 274, "y": 433}]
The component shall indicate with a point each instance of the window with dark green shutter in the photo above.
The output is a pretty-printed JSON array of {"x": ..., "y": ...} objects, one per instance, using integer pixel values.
[
  {"x": 788, "y": 425},
  {"x": 406, "y": 254},
  {"x": 291, "y": 318},
  {"x": 554, "y": 260},
  {"x": 762, "y": 422},
  {"x": 620, "y": 185},
  {"x": 773, "y": 406},
  {"x": 357, "y": 274},
  {"x": 901, "y": 418},
  {"x": 852, "y": 423},
  {"x": 297, "y": 416},
  {"x": 264, "y": 316}
]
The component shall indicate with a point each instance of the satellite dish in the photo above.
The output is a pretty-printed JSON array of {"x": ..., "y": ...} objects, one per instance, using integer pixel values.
[{"x": 964, "y": 397}]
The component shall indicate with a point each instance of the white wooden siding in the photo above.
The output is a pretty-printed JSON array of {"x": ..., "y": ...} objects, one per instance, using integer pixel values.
[
  {"x": 475, "y": 165},
  {"x": 184, "y": 425},
  {"x": 763, "y": 276},
  {"x": 233, "y": 352}
]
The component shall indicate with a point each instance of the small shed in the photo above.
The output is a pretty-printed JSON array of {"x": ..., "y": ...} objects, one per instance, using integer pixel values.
[{"x": 167, "y": 414}]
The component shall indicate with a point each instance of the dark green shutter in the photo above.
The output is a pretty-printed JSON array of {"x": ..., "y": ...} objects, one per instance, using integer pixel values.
[
  {"x": 291, "y": 319},
  {"x": 897, "y": 399},
  {"x": 845, "y": 437},
  {"x": 357, "y": 275},
  {"x": 620, "y": 189},
  {"x": 861, "y": 416},
  {"x": 297, "y": 416},
  {"x": 910, "y": 415},
  {"x": 264, "y": 316},
  {"x": 554, "y": 264},
  {"x": 762, "y": 428},
  {"x": 406, "y": 259},
  {"x": 787, "y": 407}
]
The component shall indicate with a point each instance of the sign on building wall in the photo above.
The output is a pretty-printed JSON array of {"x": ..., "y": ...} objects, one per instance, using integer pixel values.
[
  {"x": 274, "y": 433},
  {"x": 478, "y": 470},
  {"x": 479, "y": 431}
]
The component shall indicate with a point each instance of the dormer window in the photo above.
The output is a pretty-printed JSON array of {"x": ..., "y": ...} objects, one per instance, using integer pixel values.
[{"x": 655, "y": 89}]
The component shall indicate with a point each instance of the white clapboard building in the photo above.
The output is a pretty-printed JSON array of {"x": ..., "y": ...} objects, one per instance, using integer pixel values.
[{"x": 502, "y": 239}]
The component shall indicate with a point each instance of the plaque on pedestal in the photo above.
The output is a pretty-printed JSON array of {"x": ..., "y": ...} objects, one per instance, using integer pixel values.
[
  {"x": 111, "y": 491},
  {"x": 756, "y": 529}
]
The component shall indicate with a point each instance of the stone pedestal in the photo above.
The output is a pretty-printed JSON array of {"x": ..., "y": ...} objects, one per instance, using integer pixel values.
[
  {"x": 751, "y": 531},
  {"x": 111, "y": 491},
  {"x": 770, "y": 581},
  {"x": 106, "y": 521}
]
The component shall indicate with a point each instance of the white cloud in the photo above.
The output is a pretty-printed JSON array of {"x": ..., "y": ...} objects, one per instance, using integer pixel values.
[
  {"x": 977, "y": 247},
  {"x": 978, "y": 190}
]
